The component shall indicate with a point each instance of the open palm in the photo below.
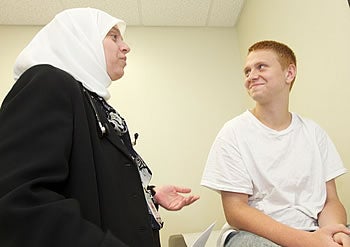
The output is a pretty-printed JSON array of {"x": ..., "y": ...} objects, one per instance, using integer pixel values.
[{"x": 169, "y": 197}]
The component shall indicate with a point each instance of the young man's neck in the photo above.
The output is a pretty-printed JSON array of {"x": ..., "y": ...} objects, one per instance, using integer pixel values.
[{"x": 277, "y": 119}]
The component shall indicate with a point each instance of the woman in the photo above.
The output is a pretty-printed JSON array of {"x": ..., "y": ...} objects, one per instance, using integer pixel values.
[{"x": 69, "y": 173}]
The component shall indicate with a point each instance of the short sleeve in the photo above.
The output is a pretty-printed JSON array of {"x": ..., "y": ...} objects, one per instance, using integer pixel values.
[
  {"x": 225, "y": 169},
  {"x": 332, "y": 162}
]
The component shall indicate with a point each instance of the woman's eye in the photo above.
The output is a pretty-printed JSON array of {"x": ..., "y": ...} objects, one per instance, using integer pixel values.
[{"x": 114, "y": 37}]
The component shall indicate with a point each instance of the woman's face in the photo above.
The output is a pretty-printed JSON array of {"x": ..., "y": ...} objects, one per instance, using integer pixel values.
[{"x": 115, "y": 50}]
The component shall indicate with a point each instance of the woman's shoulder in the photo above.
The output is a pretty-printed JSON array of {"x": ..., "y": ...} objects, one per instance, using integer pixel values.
[
  {"x": 49, "y": 76},
  {"x": 45, "y": 83},
  {"x": 45, "y": 78}
]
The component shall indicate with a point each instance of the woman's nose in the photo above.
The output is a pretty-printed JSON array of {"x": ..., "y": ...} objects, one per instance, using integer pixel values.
[{"x": 125, "y": 48}]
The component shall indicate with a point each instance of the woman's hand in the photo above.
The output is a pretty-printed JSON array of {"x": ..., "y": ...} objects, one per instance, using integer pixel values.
[{"x": 169, "y": 198}]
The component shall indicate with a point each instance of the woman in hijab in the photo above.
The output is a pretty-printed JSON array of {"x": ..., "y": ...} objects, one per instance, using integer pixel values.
[{"x": 69, "y": 175}]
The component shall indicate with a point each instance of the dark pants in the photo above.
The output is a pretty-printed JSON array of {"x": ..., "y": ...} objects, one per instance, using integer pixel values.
[{"x": 156, "y": 238}]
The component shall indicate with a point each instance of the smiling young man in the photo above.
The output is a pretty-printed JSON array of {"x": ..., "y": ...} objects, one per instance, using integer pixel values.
[{"x": 276, "y": 170}]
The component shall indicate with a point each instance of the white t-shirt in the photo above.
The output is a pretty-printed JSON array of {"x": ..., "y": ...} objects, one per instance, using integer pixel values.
[{"x": 283, "y": 172}]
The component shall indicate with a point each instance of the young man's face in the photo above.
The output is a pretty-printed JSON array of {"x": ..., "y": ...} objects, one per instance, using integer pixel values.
[{"x": 264, "y": 75}]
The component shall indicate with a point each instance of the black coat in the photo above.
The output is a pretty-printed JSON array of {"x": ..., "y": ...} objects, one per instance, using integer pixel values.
[{"x": 60, "y": 183}]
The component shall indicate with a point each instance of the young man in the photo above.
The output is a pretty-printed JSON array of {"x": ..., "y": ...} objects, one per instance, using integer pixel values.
[{"x": 274, "y": 169}]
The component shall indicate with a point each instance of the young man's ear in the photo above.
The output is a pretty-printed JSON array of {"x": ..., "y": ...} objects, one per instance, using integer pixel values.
[{"x": 290, "y": 73}]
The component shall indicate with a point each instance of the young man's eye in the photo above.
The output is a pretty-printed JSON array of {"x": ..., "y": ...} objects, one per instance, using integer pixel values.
[{"x": 261, "y": 66}]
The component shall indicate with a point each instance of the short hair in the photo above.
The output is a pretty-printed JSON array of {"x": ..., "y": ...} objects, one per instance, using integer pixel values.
[{"x": 284, "y": 54}]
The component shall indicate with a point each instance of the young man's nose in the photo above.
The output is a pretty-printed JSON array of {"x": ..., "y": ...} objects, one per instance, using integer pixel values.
[{"x": 254, "y": 74}]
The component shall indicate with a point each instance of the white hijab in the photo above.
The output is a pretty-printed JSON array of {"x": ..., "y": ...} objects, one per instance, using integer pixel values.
[{"x": 72, "y": 41}]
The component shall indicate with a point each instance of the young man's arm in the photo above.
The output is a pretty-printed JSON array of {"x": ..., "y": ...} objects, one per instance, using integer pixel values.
[
  {"x": 334, "y": 213},
  {"x": 240, "y": 215}
]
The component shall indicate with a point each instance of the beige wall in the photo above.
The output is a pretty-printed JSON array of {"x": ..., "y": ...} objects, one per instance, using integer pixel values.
[
  {"x": 318, "y": 31},
  {"x": 177, "y": 92},
  {"x": 12, "y": 40},
  {"x": 180, "y": 86}
]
